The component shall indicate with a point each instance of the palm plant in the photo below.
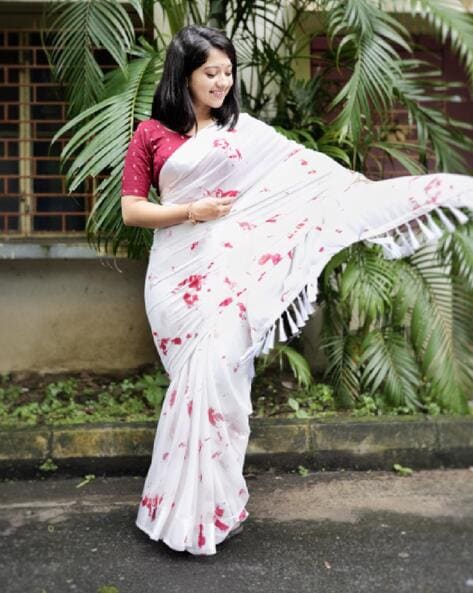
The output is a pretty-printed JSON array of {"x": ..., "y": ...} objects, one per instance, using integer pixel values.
[
  {"x": 103, "y": 132},
  {"x": 405, "y": 326},
  {"x": 387, "y": 345},
  {"x": 75, "y": 28}
]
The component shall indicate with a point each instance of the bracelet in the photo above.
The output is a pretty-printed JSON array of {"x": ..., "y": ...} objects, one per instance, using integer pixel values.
[{"x": 191, "y": 215}]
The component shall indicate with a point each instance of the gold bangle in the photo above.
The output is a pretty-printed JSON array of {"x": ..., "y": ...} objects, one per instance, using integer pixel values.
[{"x": 191, "y": 215}]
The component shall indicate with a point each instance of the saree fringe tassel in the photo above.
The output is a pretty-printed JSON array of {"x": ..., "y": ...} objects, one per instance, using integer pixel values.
[{"x": 400, "y": 241}]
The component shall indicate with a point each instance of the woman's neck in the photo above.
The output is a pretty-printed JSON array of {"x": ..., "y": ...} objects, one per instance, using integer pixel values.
[
  {"x": 203, "y": 115},
  {"x": 203, "y": 119}
]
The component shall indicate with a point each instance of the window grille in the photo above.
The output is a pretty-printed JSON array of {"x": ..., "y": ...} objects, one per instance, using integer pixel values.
[{"x": 33, "y": 197}]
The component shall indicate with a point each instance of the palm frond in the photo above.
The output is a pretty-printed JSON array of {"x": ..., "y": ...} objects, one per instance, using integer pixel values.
[
  {"x": 297, "y": 363},
  {"x": 419, "y": 335},
  {"x": 98, "y": 146},
  {"x": 432, "y": 311},
  {"x": 460, "y": 246},
  {"x": 176, "y": 12},
  {"x": 264, "y": 34},
  {"x": 366, "y": 283},
  {"x": 344, "y": 361},
  {"x": 75, "y": 30},
  {"x": 139, "y": 7},
  {"x": 371, "y": 36},
  {"x": 397, "y": 152},
  {"x": 250, "y": 17},
  {"x": 390, "y": 364},
  {"x": 463, "y": 332},
  {"x": 432, "y": 326},
  {"x": 450, "y": 19},
  {"x": 416, "y": 90}
]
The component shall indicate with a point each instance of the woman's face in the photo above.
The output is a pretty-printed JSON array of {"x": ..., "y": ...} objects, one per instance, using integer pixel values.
[{"x": 210, "y": 83}]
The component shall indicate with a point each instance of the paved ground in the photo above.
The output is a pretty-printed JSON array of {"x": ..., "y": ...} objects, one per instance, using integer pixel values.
[{"x": 330, "y": 532}]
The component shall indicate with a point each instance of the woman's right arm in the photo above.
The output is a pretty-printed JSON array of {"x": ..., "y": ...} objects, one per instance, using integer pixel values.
[
  {"x": 137, "y": 178},
  {"x": 137, "y": 211},
  {"x": 136, "y": 182}
]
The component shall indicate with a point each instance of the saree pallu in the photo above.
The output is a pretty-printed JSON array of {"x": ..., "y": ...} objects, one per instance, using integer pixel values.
[{"x": 221, "y": 292}]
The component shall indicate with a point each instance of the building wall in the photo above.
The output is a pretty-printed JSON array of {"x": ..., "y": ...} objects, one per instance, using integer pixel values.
[{"x": 73, "y": 314}]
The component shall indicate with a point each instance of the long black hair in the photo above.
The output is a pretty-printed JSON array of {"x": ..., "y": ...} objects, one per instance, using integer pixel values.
[{"x": 188, "y": 50}]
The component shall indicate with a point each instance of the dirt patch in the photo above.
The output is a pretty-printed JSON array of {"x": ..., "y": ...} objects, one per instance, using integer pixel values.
[{"x": 345, "y": 496}]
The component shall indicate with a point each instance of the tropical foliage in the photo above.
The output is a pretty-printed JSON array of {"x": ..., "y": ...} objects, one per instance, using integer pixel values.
[
  {"x": 377, "y": 338},
  {"x": 404, "y": 327}
]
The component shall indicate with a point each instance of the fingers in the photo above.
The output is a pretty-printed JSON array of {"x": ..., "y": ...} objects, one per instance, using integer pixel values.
[
  {"x": 224, "y": 206},
  {"x": 212, "y": 208},
  {"x": 224, "y": 201}
]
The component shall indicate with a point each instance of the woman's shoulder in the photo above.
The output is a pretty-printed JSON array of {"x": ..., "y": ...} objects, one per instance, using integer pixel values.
[
  {"x": 252, "y": 123},
  {"x": 246, "y": 118},
  {"x": 150, "y": 126},
  {"x": 152, "y": 133}
]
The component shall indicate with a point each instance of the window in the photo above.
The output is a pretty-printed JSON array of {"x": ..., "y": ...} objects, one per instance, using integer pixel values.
[{"x": 33, "y": 197}]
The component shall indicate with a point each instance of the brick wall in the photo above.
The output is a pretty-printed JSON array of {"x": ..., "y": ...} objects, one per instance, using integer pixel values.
[{"x": 34, "y": 198}]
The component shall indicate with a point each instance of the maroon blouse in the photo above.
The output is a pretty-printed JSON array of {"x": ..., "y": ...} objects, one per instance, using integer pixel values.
[{"x": 150, "y": 147}]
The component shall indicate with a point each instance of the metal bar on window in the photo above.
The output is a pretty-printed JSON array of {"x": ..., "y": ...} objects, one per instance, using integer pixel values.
[{"x": 25, "y": 149}]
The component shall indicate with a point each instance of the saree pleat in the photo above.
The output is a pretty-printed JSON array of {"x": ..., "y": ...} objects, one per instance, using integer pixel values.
[
  {"x": 195, "y": 491},
  {"x": 219, "y": 293}
]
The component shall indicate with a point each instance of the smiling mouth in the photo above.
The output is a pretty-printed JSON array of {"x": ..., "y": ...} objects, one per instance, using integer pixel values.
[{"x": 218, "y": 93}]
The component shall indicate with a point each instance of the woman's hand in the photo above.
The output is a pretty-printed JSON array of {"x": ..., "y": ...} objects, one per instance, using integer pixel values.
[{"x": 211, "y": 208}]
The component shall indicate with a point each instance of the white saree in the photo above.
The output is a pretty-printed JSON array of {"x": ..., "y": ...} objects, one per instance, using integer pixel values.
[{"x": 215, "y": 294}]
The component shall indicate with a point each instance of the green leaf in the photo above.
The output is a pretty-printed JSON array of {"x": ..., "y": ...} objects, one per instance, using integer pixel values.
[
  {"x": 297, "y": 363},
  {"x": 344, "y": 360},
  {"x": 451, "y": 20},
  {"x": 397, "y": 152},
  {"x": 401, "y": 470},
  {"x": 390, "y": 364},
  {"x": 442, "y": 307},
  {"x": 87, "y": 480},
  {"x": 368, "y": 36},
  {"x": 74, "y": 30},
  {"x": 302, "y": 471},
  {"x": 99, "y": 145},
  {"x": 366, "y": 283}
]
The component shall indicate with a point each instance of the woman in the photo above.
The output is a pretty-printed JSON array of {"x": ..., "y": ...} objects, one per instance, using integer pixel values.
[{"x": 247, "y": 221}]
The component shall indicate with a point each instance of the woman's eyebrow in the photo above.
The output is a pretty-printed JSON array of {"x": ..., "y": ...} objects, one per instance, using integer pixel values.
[{"x": 226, "y": 66}]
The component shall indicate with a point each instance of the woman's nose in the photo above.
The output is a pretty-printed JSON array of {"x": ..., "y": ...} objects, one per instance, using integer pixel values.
[{"x": 221, "y": 81}]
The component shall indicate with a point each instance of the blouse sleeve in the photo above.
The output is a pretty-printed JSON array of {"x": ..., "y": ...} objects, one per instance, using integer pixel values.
[{"x": 137, "y": 171}]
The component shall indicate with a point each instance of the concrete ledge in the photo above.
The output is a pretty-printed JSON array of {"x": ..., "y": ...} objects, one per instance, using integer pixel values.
[
  {"x": 51, "y": 250},
  {"x": 27, "y": 444},
  {"x": 352, "y": 443},
  {"x": 376, "y": 444},
  {"x": 104, "y": 441}
]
